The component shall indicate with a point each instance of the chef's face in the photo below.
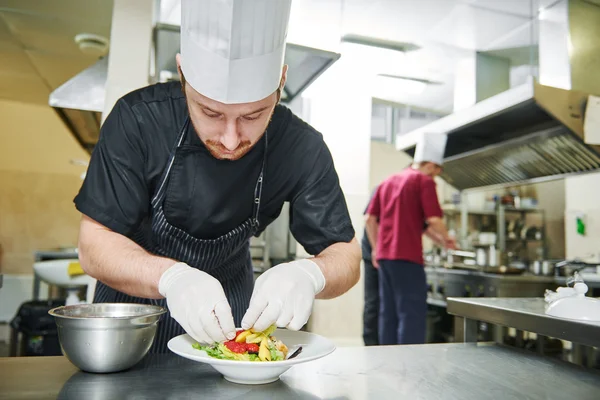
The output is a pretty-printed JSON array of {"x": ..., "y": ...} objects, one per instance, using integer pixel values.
[
  {"x": 229, "y": 130},
  {"x": 431, "y": 169}
]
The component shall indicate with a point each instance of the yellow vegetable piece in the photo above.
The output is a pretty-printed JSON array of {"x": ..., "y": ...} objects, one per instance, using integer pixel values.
[
  {"x": 263, "y": 352},
  {"x": 251, "y": 337},
  {"x": 241, "y": 338},
  {"x": 267, "y": 331},
  {"x": 255, "y": 338},
  {"x": 270, "y": 330}
]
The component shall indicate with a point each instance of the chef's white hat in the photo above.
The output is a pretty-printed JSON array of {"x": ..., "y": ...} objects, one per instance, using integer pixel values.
[
  {"x": 232, "y": 51},
  {"x": 431, "y": 147}
]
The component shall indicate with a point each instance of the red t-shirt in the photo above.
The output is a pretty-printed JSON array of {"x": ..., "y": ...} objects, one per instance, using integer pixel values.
[{"x": 403, "y": 203}]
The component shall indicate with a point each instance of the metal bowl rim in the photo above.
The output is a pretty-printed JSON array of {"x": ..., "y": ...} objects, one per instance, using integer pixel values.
[{"x": 159, "y": 311}]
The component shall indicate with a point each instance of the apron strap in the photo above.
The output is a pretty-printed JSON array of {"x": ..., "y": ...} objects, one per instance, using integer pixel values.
[
  {"x": 165, "y": 176},
  {"x": 259, "y": 183}
]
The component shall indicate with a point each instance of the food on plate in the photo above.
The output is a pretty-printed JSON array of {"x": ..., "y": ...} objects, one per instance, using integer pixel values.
[{"x": 248, "y": 345}]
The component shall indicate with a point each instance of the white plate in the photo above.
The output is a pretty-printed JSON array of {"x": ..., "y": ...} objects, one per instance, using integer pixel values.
[{"x": 255, "y": 372}]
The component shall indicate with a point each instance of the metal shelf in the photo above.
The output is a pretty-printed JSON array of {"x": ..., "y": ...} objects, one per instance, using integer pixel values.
[{"x": 500, "y": 214}]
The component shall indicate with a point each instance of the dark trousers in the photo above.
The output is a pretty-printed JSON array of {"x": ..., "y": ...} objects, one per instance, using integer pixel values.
[
  {"x": 371, "y": 310},
  {"x": 403, "y": 302}
]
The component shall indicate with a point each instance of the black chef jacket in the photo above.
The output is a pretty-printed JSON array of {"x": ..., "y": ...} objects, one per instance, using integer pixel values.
[{"x": 207, "y": 197}]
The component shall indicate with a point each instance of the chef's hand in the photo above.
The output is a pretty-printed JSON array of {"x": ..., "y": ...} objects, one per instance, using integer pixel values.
[
  {"x": 197, "y": 302},
  {"x": 374, "y": 259},
  {"x": 284, "y": 295},
  {"x": 450, "y": 244}
]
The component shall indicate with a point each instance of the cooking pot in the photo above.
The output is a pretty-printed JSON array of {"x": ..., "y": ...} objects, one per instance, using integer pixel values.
[
  {"x": 481, "y": 256},
  {"x": 543, "y": 267},
  {"x": 488, "y": 256}
]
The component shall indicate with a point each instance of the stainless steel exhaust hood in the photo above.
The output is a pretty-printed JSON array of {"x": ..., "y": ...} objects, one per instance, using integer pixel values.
[
  {"x": 528, "y": 133},
  {"x": 80, "y": 101},
  {"x": 531, "y": 132}
]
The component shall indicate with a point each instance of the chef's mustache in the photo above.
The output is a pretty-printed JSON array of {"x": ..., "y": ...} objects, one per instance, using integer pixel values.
[{"x": 217, "y": 149}]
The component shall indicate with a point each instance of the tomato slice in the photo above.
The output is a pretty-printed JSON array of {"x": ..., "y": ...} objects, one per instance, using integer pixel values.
[
  {"x": 235, "y": 346},
  {"x": 252, "y": 347}
]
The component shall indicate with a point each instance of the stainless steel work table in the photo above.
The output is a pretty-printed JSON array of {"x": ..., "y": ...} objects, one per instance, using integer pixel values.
[
  {"x": 524, "y": 314},
  {"x": 525, "y": 277},
  {"x": 434, "y": 371}
]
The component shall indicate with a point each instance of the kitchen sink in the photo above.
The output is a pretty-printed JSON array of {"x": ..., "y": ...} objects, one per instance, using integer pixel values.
[{"x": 56, "y": 273}]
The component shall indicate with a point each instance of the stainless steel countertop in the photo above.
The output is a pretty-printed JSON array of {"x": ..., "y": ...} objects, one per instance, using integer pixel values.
[
  {"x": 435, "y": 371},
  {"x": 525, "y": 277},
  {"x": 527, "y": 314}
]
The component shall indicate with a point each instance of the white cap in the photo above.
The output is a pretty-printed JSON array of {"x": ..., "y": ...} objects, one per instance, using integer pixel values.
[
  {"x": 232, "y": 51},
  {"x": 430, "y": 148}
]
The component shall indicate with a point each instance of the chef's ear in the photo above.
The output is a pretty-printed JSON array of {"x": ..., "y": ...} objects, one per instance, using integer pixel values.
[
  {"x": 283, "y": 77},
  {"x": 178, "y": 61}
]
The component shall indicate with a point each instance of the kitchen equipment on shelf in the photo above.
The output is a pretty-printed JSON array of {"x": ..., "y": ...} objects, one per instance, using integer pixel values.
[
  {"x": 488, "y": 255},
  {"x": 569, "y": 267},
  {"x": 481, "y": 256},
  {"x": 514, "y": 228},
  {"x": 486, "y": 238},
  {"x": 494, "y": 256},
  {"x": 457, "y": 256},
  {"x": 106, "y": 337},
  {"x": 543, "y": 267}
]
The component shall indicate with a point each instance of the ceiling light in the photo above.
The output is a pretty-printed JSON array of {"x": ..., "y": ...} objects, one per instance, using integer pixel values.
[
  {"x": 380, "y": 43},
  {"x": 408, "y": 78}
]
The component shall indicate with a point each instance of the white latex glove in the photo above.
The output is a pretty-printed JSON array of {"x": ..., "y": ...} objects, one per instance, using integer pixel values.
[
  {"x": 197, "y": 302},
  {"x": 284, "y": 295}
]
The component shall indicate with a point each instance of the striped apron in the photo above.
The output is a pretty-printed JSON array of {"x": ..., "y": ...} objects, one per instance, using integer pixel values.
[{"x": 227, "y": 257}]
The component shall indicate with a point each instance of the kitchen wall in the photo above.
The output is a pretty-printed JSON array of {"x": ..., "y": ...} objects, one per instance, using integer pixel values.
[
  {"x": 385, "y": 161},
  {"x": 582, "y": 194},
  {"x": 37, "y": 186}
]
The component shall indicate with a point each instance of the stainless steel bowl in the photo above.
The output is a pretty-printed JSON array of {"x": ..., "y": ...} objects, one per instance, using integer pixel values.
[{"x": 106, "y": 337}]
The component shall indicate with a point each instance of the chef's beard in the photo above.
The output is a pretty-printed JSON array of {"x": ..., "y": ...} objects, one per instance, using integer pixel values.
[{"x": 220, "y": 152}]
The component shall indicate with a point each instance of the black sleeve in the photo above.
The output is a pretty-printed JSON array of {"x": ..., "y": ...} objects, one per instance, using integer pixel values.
[
  {"x": 318, "y": 213},
  {"x": 115, "y": 191}
]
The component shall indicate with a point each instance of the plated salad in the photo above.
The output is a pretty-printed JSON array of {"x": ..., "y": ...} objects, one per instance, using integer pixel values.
[{"x": 248, "y": 345}]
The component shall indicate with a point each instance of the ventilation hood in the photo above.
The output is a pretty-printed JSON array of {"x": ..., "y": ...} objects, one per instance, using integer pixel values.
[
  {"x": 80, "y": 101},
  {"x": 531, "y": 132}
]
